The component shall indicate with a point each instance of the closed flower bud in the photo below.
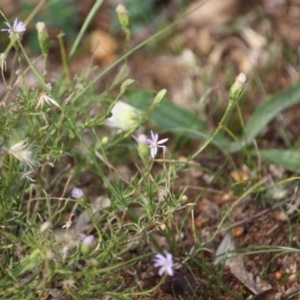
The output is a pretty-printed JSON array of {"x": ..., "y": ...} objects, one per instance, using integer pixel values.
[
  {"x": 88, "y": 243},
  {"x": 43, "y": 37},
  {"x": 238, "y": 87},
  {"x": 159, "y": 96},
  {"x": 124, "y": 18},
  {"x": 143, "y": 147},
  {"x": 124, "y": 117}
]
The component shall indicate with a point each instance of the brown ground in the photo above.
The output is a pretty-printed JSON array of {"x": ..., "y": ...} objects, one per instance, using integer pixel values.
[
  {"x": 259, "y": 51},
  {"x": 252, "y": 222},
  {"x": 265, "y": 50}
]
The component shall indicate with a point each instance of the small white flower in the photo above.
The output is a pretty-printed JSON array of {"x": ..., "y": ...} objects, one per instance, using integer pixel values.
[
  {"x": 124, "y": 116},
  {"x": 67, "y": 225},
  {"x": 76, "y": 193},
  {"x": 17, "y": 28},
  {"x": 154, "y": 144},
  {"x": 22, "y": 151},
  {"x": 45, "y": 98},
  {"x": 165, "y": 262}
]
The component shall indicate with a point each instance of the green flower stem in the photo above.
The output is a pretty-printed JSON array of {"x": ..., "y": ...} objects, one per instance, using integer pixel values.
[
  {"x": 10, "y": 170},
  {"x": 114, "y": 267},
  {"x": 84, "y": 27},
  {"x": 45, "y": 67},
  {"x": 127, "y": 44},
  {"x": 214, "y": 134},
  {"x": 235, "y": 94},
  {"x": 64, "y": 57},
  {"x": 35, "y": 72},
  {"x": 163, "y": 279},
  {"x": 21, "y": 69}
]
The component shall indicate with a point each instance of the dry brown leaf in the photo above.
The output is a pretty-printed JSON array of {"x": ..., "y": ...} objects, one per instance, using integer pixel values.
[
  {"x": 226, "y": 251},
  {"x": 266, "y": 295}
]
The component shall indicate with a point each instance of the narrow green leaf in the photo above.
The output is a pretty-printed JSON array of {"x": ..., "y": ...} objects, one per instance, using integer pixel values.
[
  {"x": 270, "y": 109},
  {"x": 288, "y": 159},
  {"x": 29, "y": 263},
  {"x": 266, "y": 112}
]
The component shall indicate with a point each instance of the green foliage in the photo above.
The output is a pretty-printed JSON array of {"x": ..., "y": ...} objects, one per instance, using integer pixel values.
[
  {"x": 288, "y": 159},
  {"x": 70, "y": 134},
  {"x": 266, "y": 112},
  {"x": 62, "y": 15},
  {"x": 168, "y": 116}
]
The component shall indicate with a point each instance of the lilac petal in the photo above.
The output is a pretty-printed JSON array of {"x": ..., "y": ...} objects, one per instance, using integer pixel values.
[
  {"x": 154, "y": 136},
  {"x": 161, "y": 271},
  {"x": 76, "y": 193},
  {"x": 169, "y": 257},
  {"x": 158, "y": 259},
  {"x": 165, "y": 262},
  {"x": 89, "y": 240},
  {"x": 157, "y": 264},
  {"x": 15, "y": 23},
  {"x": 170, "y": 271},
  {"x": 162, "y": 141},
  {"x": 153, "y": 151},
  {"x": 21, "y": 27}
]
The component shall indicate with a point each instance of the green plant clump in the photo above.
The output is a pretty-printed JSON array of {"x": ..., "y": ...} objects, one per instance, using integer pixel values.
[{"x": 72, "y": 221}]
